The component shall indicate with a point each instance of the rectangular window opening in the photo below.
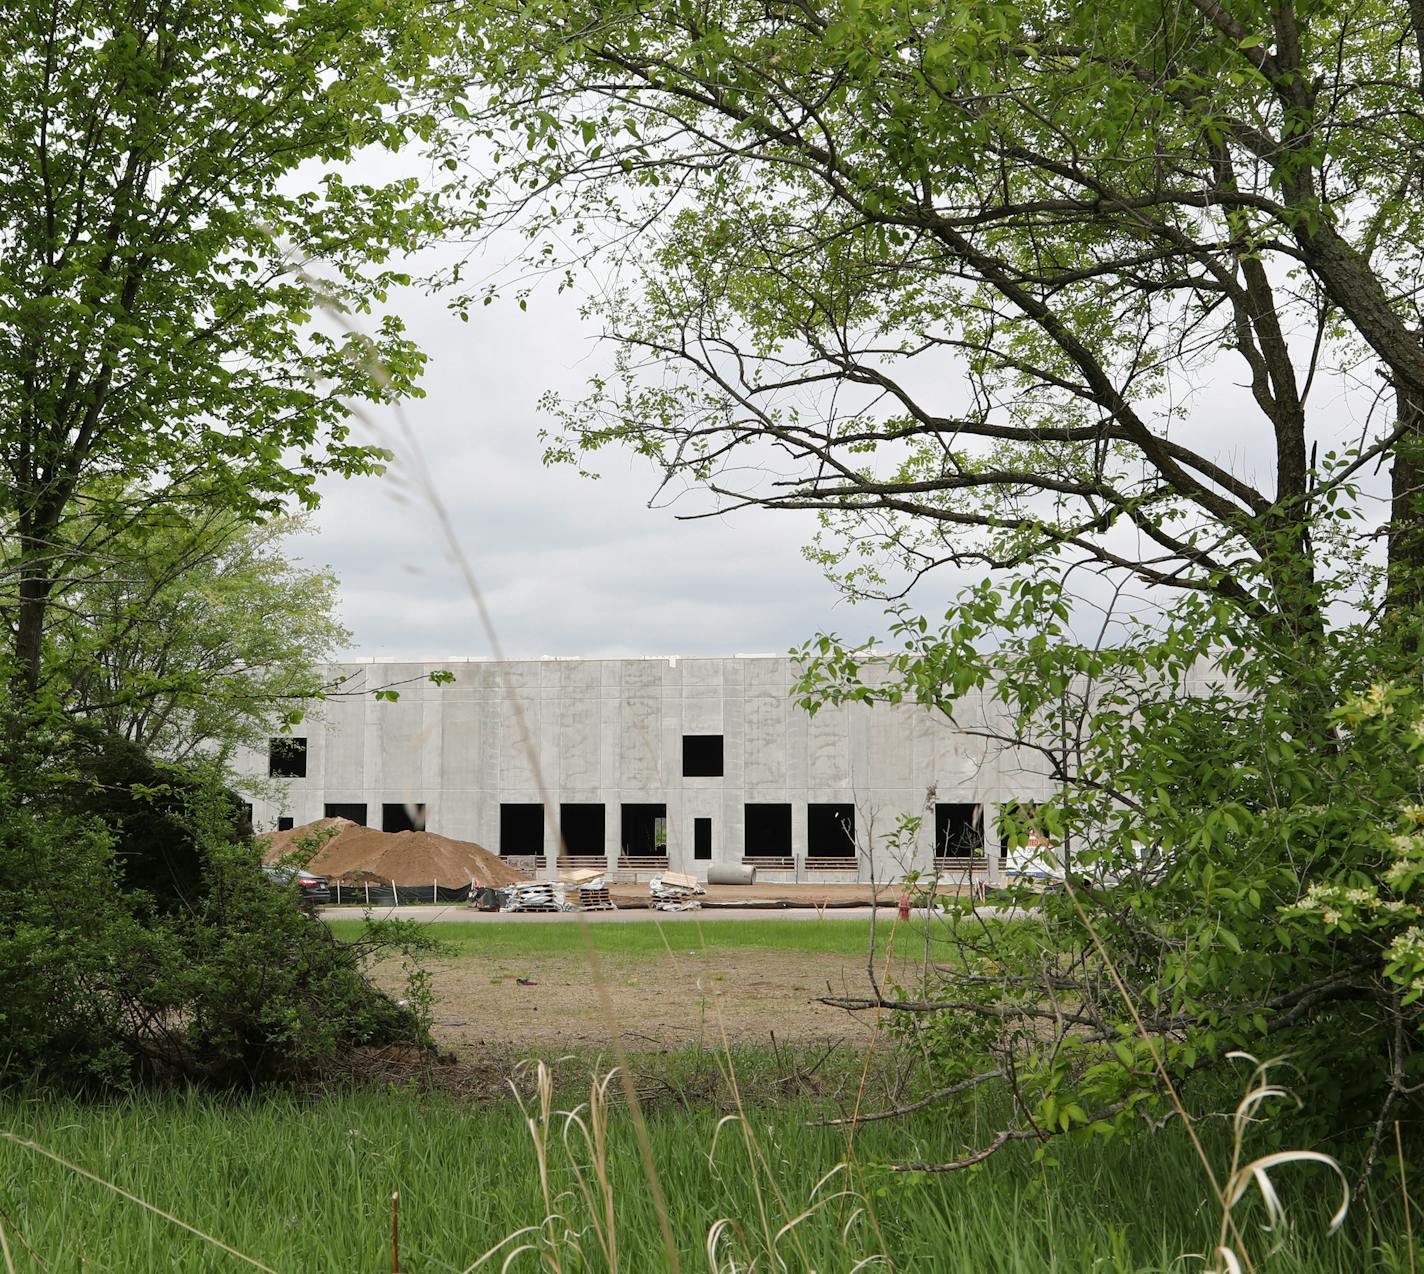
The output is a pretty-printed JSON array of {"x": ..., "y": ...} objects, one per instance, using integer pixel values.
[
  {"x": 644, "y": 831},
  {"x": 521, "y": 829},
  {"x": 830, "y": 831},
  {"x": 581, "y": 827},
  {"x": 959, "y": 830},
  {"x": 768, "y": 831},
  {"x": 287, "y": 758},
  {"x": 702, "y": 839},
  {"x": 403, "y": 816},
  {"x": 285, "y": 822},
  {"x": 702, "y": 756},
  {"x": 353, "y": 812}
]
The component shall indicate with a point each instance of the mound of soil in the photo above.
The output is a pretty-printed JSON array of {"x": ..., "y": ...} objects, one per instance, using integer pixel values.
[{"x": 359, "y": 853}]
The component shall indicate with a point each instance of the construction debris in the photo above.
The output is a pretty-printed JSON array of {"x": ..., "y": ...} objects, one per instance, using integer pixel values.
[
  {"x": 535, "y": 895},
  {"x": 591, "y": 886},
  {"x": 673, "y": 891}
]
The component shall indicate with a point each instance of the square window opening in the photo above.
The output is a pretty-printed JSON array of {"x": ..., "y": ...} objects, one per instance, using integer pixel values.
[
  {"x": 353, "y": 812},
  {"x": 403, "y": 816},
  {"x": 521, "y": 829},
  {"x": 581, "y": 827},
  {"x": 287, "y": 758},
  {"x": 285, "y": 822},
  {"x": 702, "y": 756},
  {"x": 830, "y": 831},
  {"x": 959, "y": 830},
  {"x": 644, "y": 831},
  {"x": 768, "y": 831}
]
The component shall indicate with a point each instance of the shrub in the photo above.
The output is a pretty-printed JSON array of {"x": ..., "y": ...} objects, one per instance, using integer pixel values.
[
  {"x": 139, "y": 939},
  {"x": 1240, "y": 825}
]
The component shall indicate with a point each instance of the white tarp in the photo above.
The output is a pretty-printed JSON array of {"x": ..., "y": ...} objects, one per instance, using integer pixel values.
[{"x": 672, "y": 891}]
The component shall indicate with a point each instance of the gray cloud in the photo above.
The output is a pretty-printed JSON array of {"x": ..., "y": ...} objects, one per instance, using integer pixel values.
[{"x": 568, "y": 566}]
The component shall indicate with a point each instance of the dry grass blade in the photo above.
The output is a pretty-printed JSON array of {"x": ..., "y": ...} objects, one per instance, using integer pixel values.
[
  {"x": 594, "y": 1133},
  {"x": 1257, "y": 1171},
  {"x": 133, "y": 1198},
  {"x": 502, "y": 1244}
]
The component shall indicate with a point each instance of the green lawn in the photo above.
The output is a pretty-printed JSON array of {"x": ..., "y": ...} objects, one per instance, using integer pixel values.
[
  {"x": 305, "y": 1186},
  {"x": 647, "y": 939}
]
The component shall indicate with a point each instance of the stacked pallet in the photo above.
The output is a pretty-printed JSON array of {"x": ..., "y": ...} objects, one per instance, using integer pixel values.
[
  {"x": 595, "y": 898},
  {"x": 592, "y": 887},
  {"x": 672, "y": 891}
]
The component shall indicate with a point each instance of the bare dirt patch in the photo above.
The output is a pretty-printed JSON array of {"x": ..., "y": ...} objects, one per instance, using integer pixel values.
[{"x": 548, "y": 1003}]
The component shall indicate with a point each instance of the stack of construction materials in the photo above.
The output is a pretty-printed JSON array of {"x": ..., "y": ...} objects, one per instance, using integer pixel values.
[
  {"x": 535, "y": 895},
  {"x": 672, "y": 891},
  {"x": 591, "y": 886}
]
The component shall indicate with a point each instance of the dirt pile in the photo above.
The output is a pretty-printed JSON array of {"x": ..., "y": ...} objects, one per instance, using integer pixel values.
[{"x": 359, "y": 853}]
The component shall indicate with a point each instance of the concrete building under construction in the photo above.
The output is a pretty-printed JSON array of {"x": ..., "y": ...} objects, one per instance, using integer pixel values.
[{"x": 640, "y": 764}]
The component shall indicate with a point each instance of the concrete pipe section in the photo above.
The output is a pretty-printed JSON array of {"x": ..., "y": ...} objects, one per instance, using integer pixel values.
[{"x": 731, "y": 874}]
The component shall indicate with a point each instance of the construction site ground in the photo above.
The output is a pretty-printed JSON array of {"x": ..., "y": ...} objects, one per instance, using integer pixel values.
[{"x": 691, "y": 992}]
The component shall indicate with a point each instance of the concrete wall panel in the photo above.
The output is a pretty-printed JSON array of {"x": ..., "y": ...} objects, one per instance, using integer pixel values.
[{"x": 611, "y": 731}]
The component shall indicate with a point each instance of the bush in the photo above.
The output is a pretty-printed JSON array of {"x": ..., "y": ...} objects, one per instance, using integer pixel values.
[
  {"x": 1241, "y": 827},
  {"x": 140, "y": 940}
]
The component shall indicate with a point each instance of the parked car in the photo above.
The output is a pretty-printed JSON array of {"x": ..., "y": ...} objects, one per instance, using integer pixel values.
[{"x": 310, "y": 887}]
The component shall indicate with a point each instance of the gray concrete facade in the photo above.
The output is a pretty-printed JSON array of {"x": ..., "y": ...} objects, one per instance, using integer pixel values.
[{"x": 611, "y": 731}]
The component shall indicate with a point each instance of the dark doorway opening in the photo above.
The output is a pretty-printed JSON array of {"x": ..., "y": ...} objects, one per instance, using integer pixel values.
[
  {"x": 353, "y": 812},
  {"x": 521, "y": 829},
  {"x": 959, "y": 831},
  {"x": 403, "y": 816},
  {"x": 644, "y": 831},
  {"x": 768, "y": 831},
  {"x": 287, "y": 758},
  {"x": 701, "y": 838},
  {"x": 582, "y": 829},
  {"x": 285, "y": 822},
  {"x": 702, "y": 756},
  {"x": 830, "y": 831}
]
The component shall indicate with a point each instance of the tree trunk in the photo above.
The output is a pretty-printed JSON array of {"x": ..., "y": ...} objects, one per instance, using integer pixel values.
[
  {"x": 29, "y": 629},
  {"x": 37, "y": 531},
  {"x": 1405, "y": 589}
]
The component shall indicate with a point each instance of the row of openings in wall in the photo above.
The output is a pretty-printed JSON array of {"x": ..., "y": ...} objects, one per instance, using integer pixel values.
[
  {"x": 642, "y": 829},
  {"x": 702, "y": 756},
  {"x": 830, "y": 830}
]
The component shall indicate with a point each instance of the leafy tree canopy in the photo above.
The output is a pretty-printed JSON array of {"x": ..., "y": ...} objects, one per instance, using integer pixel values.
[
  {"x": 954, "y": 275},
  {"x": 179, "y": 242},
  {"x": 193, "y": 639},
  {"x": 968, "y": 280}
]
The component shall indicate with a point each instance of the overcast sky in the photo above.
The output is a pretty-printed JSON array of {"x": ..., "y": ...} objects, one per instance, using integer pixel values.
[{"x": 568, "y": 566}]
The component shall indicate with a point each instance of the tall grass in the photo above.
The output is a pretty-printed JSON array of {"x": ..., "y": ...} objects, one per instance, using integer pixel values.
[{"x": 306, "y": 1186}]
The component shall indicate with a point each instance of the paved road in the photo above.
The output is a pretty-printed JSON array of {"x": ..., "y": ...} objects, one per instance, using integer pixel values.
[{"x": 463, "y": 915}]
